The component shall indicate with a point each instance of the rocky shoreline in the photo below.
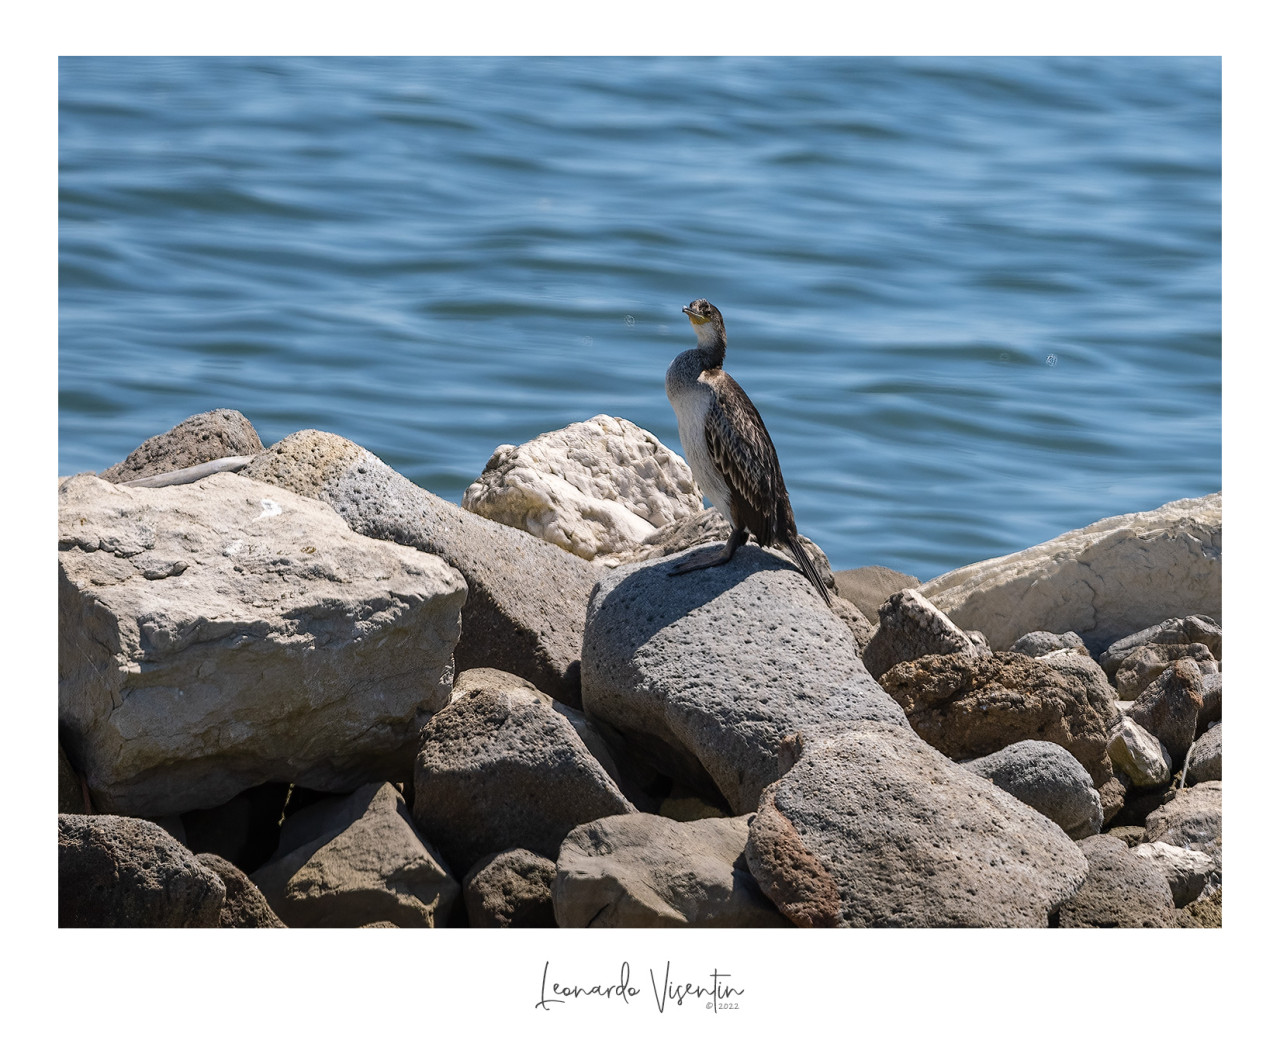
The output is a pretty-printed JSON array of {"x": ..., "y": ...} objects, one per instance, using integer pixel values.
[{"x": 298, "y": 690}]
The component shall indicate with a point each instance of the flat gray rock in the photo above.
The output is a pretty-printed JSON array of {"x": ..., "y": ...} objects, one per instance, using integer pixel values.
[
  {"x": 1122, "y": 889},
  {"x": 708, "y": 673},
  {"x": 527, "y": 598},
  {"x": 874, "y": 828},
  {"x": 1045, "y": 776},
  {"x": 127, "y": 872},
  {"x": 227, "y": 633},
  {"x": 501, "y": 769},
  {"x": 643, "y": 870},
  {"x": 220, "y": 433},
  {"x": 1103, "y": 581},
  {"x": 355, "y": 860}
]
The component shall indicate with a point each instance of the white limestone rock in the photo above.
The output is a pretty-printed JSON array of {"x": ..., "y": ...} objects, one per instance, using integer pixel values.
[
  {"x": 594, "y": 488},
  {"x": 226, "y": 633},
  {"x": 1103, "y": 581}
]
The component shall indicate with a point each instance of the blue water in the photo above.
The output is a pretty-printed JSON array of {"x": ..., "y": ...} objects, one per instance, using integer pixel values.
[{"x": 977, "y": 301}]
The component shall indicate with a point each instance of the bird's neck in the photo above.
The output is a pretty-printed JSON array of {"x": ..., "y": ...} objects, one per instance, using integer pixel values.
[{"x": 711, "y": 348}]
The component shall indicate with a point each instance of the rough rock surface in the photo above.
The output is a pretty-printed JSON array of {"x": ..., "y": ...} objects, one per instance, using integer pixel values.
[
  {"x": 703, "y": 528},
  {"x": 500, "y": 769},
  {"x": 642, "y": 870},
  {"x": 1187, "y": 871},
  {"x": 1048, "y": 778},
  {"x": 1103, "y": 581},
  {"x": 1139, "y": 755},
  {"x": 593, "y": 488},
  {"x": 355, "y": 860},
  {"x": 973, "y": 707},
  {"x": 1205, "y": 911},
  {"x": 1196, "y": 628},
  {"x": 848, "y": 613},
  {"x": 201, "y": 438},
  {"x": 1192, "y": 819},
  {"x": 709, "y": 672},
  {"x": 1147, "y": 662},
  {"x": 910, "y": 628},
  {"x": 127, "y": 872},
  {"x": 1205, "y": 761},
  {"x": 527, "y": 598},
  {"x": 226, "y": 633},
  {"x": 510, "y": 889},
  {"x": 70, "y": 795},
  {"x": 244, "y": 905},
  {"x": 1039, "y": 643},
  {"x": 1211, "y": 690},
  {"x": 868, "y": 587},
  {"x": 1170, "y": 707},
  {"x": 874, "y": 828},
  {"x": 1121, "y": 890}
]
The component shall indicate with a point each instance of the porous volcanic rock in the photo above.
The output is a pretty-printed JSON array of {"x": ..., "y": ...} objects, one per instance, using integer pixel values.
[
  {"x": 642, "y": 870},
  {"x": 705, "y": 527},
  {"x": 227, "y": 633},
  {"x": 1121, "y": 890},
  {"x": 708, "y": 673},
  {"x": 910, "y": 628},
  {"x": 205, "y": 437},
  {"x": 593, "y": 488},
  {"x": 1102, "y": 581},
  {"x": 500, "y": 769},
  {"x": 526, "y": 598},
  {"x": 355, "y": 860},
  {"x": 971, "y": 707},
  {"x": 1045, "y": 776},
  {"x": 115, "y": 871},
  {"x": 510, "y": 889},
  {"x": 244, "y": 905},
  {"x": 874, "y": 828}
]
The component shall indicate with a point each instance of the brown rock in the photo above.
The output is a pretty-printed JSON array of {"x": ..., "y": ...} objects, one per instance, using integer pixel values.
[
  {"x": 201, "y": 438},
  {"x": 1121, "y": 890},
  {"x": 510, "y": 889},
  {"x": 1147, "y": 662},
  {"x": 910, "y": 628},
  {"x": 244, "y": 905}
]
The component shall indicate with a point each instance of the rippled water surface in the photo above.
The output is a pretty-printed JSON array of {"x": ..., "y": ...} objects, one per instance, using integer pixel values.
[{"x": 977, "y": 301}]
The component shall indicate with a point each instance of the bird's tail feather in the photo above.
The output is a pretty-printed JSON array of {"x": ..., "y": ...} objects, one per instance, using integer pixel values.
[{"x": 807, "y": 566}]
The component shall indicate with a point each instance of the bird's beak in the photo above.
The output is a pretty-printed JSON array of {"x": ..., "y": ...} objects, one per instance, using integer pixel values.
[{"x": 694, "y": 317}]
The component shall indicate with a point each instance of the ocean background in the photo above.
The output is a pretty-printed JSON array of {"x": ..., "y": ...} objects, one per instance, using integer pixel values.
[{"x": 977, "y": 301}]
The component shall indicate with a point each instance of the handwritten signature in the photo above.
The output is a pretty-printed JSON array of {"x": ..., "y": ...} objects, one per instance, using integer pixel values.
[{"x": 719, "y": 995}]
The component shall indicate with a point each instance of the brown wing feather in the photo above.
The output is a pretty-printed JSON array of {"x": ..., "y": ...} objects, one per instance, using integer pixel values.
[{"x": 741, "y": 450}]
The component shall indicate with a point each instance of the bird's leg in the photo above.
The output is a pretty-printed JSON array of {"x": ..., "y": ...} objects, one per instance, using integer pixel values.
[{"x": 710, "y": 557}]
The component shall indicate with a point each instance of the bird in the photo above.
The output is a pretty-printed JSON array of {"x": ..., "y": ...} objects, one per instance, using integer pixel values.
[{"x": 729, "y": 450}]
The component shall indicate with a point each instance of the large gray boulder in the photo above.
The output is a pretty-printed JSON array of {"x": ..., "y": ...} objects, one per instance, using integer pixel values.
[
  {"x": 709, "y": 673},
  {"x": 1193, "y": 818},
  {"x": 1045, "y": 776},
  {"x": 128, "y": 872},
  {"x": 1102, "y": 581},
  {"x": 1186, "y": 871},
  {"x": 227, "y": 633},
  {"x": 643, "y": 870},
  {"x": 874, "y": 828},
  {"x": 355, "y": 860},
  {"x": 220, "y": 433},
  {"x": 526, "y": 598},
  {"x": 594, "y": 488},
  {"x": 501, "y": 769},
  {"x": 1123, "y": 889}
]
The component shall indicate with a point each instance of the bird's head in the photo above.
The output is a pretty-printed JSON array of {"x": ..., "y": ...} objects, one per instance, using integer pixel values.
[{"x": 707, "y": 322}]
